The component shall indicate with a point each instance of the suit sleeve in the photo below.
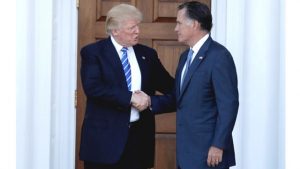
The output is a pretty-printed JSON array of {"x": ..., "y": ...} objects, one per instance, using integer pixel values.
[
  {"x": 163, "y": 103},
  {"x": 164, "y": 83},
  {"x": 224, "y": 79},
  {"x": 95, "y": 87}
]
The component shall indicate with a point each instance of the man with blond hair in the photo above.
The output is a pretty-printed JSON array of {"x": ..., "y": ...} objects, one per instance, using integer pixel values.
[{"x": 118, "y": 128}]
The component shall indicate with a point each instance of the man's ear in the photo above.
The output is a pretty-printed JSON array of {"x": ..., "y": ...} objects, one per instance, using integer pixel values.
[
  {"x": 196, "y": 25},
  {"x": 115, "y": 32}
]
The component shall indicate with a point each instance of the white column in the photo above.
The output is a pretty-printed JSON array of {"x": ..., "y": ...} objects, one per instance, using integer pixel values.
[
  {"x": 262, "y": 85},
  {"x": 34, "y": 67},
  {"x": 63, "y": 124},
  {"x": 253, "y": 33},
  {"x": 46, "y": 80}
]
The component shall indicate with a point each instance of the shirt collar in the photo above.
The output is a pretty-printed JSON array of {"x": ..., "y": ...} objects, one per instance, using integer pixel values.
[
  {"x": 115, "y": 43},
  {"x": 199, "y": 44}
]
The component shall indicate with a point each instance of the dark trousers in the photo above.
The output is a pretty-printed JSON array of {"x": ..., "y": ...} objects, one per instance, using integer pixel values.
[{"x": 130, "y": 158}]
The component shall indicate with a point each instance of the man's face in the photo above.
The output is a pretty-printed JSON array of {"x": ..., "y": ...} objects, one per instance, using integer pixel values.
[
  {"x": 183, "y": 27},
  {"x": 128, "y": 33}
]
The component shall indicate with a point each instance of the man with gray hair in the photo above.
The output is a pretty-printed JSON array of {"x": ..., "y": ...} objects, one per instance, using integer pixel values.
[
  {"x": 118, "y": 128},
  {"x": 205, "y": 96}
]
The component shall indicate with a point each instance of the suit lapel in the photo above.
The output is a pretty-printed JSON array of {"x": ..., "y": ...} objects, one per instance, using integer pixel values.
[
  {"x": 111, "y": 55},
  {"x": 195, "y": 64},
  {"x": 179, "y": 70}
]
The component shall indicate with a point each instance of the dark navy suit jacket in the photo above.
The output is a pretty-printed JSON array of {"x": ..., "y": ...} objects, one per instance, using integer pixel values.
[
  {"x": 206, "y": 106},
  {"x": 106, "y": 121}
]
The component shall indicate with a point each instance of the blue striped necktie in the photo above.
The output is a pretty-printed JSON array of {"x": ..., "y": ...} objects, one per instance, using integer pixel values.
[
  {"x": 126, "y": 67},
  {"x": 187, "y": 65}
]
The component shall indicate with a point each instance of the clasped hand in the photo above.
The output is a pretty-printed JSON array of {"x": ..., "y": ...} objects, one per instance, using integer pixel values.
[{"x": 140, "y": 100}]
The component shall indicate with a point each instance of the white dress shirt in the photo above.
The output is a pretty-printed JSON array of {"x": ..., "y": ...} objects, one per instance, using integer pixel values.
[{"x": 136, "y": 78}]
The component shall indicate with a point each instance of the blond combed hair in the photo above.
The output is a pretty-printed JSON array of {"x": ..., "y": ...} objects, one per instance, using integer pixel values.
[{"x": 120, "y": 13}]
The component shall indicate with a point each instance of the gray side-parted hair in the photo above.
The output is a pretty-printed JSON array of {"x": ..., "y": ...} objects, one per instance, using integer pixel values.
[{"x": 119, "y": 13}]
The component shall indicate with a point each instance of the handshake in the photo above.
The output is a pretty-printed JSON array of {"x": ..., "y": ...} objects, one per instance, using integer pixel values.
[{"x": 140, "y": 100}]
